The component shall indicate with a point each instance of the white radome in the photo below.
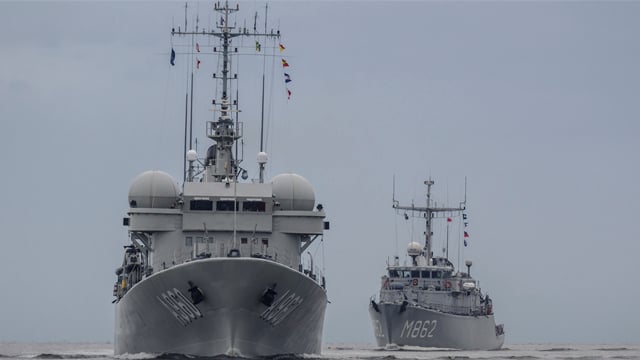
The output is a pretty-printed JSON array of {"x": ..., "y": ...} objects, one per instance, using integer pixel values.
[
  {"x": 468, "y": 286},
  {"x": 262, "y": 157},
  {"x": 293, "y": 192},
  {"x": 153, "y": 189},
  {"x": 414, "y": 249},
  {"x": 192, "y": 155}
]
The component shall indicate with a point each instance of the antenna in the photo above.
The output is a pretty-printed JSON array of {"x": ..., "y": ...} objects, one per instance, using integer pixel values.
[
  {"x": 255, "y": 23},
  {"x": 447, "y": 255},
  {"x": 463, "y": 205},
  {"x": 429, "y": 212},
  {"x": 225, "y": 130},
  {"x": 191, "y": 113},
  {"x": 395, "y": 203},
  {"x": 393, "y": 194},
  {"x": 238, "y": 124},
  {"x": 186, "y": 127},
  {"x": 266, "y": 9},
  {"x": 264, "y": 65}
]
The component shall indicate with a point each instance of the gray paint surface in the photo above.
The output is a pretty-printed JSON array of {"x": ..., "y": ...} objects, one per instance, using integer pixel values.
[
  {"x": 536, "y": 103},
  {"x": 417, "y": 326},
  {"x": 230, "y": 320}
]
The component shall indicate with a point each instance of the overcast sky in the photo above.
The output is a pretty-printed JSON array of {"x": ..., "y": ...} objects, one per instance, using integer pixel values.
[{"x": 536, "y": 103}]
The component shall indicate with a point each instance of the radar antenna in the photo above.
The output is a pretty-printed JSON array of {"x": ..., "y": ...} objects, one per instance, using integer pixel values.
[
  {"x": 220, "y": 164},
  {"x": 429, "y": 213}
]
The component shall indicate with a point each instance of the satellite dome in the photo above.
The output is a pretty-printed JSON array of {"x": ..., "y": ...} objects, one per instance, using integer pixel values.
[
  {"x": 293, "y": 192},
  {"x": 414, "y": 249},
  {"x": 192, "y": 155},
  {"x": 153, "y": 189},
  {"x": 262, "y": 157}
]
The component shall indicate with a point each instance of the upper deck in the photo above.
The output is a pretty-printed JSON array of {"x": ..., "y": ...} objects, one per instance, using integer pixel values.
[{"x": 441, "y": 276}]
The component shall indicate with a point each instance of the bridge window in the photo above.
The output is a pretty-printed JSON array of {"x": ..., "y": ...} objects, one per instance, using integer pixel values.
[
  {"x": 189, "y": 240},
  {"x": 415, "y": 274},
  {"x": 201, "y": 205},
  {"x": 202, "y": 240},
  {"x": 394, "y": 273},
  {"x": 426, "y": 274},
  {"x": 227, "y": 205},
  {"x": 257, "y": 206}
]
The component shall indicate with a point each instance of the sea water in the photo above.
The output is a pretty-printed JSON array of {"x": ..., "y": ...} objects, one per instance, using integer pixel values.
[{"x": 104, "y": 351}]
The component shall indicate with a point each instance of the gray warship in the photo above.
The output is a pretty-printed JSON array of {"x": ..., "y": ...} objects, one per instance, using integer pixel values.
[
  {"x": 216, "y": 266},
  {"x": 427, "y": 303}
]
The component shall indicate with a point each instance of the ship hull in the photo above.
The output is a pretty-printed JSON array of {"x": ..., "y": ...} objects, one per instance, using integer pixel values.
[
  {"x": 157, "y": 315},
  {"x": 416, "y": 326}
]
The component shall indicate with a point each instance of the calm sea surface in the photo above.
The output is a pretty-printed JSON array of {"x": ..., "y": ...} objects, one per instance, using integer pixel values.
[{"x": 104, "y": 351}]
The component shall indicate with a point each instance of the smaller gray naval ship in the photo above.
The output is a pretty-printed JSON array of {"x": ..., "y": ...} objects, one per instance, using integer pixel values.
[
  {"x": 216, "y": 266},
  {"x": 427, "y": 303}
]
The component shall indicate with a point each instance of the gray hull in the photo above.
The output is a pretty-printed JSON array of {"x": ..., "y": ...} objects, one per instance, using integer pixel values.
[
  {"x": 157, "y": 316},
  {"x": 422, "y": 327}
]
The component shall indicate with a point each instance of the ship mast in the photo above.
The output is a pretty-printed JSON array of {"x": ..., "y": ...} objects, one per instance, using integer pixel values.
[
  {"x": 220, "y": 165},
  {"x": 429, "y": 213}
]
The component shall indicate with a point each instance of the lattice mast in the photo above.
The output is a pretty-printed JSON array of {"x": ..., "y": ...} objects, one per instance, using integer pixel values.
[
  {"x": 429, "y": 212},
  {"x": 220, "y": 164}
]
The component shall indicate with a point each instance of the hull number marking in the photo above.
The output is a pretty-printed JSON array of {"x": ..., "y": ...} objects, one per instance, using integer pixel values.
[
  {"x": 419, "y": 328},
  {"x": 179, "y": 306},
  {"x": 281, "y": 308}
]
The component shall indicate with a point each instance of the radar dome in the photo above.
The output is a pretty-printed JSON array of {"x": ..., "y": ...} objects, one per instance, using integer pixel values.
[
  {"x": 153, "y": 189},
  {"x": 414, "y": 249},
  {"x": 293, "y": 192},
  {"x": 192, "y": 155},
  {"x": 262, "y": 157}
]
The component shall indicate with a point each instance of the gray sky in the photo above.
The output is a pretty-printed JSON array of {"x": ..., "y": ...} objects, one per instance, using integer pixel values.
[{"x": 536, "y": 103}]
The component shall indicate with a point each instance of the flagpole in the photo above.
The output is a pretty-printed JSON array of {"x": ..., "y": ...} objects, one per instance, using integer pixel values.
[{"x": 447, "y": 238}]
